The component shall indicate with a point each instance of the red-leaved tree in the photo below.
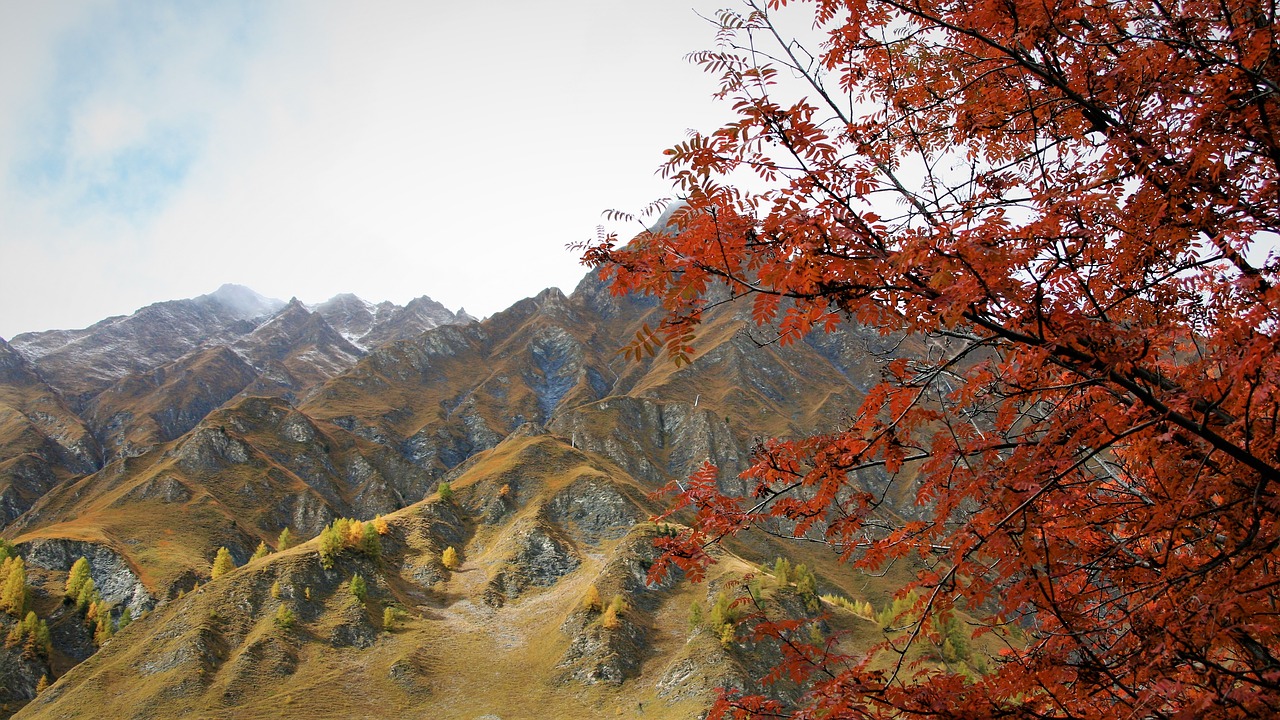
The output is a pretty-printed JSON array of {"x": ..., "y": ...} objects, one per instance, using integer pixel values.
[{"x": 1074, "y": 200}]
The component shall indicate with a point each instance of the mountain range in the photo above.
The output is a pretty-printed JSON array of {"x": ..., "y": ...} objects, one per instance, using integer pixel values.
[{"x": 145, "y": 443}]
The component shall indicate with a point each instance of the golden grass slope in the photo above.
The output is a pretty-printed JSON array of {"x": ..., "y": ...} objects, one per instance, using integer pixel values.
[{"x": 467, "y": 643}]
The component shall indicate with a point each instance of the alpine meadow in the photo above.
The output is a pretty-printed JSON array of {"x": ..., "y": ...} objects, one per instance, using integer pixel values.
[{"x": 945, "y": 385}]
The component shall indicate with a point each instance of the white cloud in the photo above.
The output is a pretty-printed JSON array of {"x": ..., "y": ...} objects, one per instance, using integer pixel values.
[{"x": 390, "y": 149}]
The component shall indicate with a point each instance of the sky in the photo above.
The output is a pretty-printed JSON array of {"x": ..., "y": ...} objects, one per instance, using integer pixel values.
[{"x": 155, "y": 150}]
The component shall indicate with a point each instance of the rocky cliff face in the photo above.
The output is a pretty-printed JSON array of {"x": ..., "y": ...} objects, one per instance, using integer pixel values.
[{"x": 115, "y": 579}]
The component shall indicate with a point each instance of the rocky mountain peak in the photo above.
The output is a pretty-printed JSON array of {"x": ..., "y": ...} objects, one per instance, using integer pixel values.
[{"x": 242, "y": 302}]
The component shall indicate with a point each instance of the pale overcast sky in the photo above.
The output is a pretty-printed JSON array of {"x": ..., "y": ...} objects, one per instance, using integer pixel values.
[{"x": 155, "y": 150}]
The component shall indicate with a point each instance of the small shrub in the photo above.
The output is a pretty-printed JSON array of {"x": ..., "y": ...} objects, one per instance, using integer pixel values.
[
  {"x": 446, "y": 492},
  {"x": 276, "y": 592}
]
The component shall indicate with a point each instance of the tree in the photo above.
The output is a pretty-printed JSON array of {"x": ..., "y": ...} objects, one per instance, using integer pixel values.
[
  {"x": 331, "y": 543},
  {"x": 87, "y": 596},
  {"x": 76, "y": 577},
  {"x": 370, "y": 541},
  {"x": 13, "y": 595},
  {"x": 446, "y": 492},
  {"x": 782, "y": 571},
  {"x": 592, "y": 600},
  {"x": 285, "y": 619},
  {"x": 449, "y": 558},
  {"x": 391, "y": 617},
  {"x": 611, "y": 618},
  {"x": 285, "y": 541},
  {"x": 1062, "y": 211},
  {"x": 261, "y": 552},
  {"x": 222, "y": 563},
  {"x": 359, "y": 589}
]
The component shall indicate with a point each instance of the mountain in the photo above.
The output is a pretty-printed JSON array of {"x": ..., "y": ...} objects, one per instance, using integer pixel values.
[
  {"x": 42, "y": 442},
  {"x": 295, "y": 350},
  {"x": 551, "y": 443},
  {"x": 367, "y": 326},
  {"x": 509, "y": 633},
  {"x": 145, "y": 409},
  {"x": 146, "y": 378},
  {"x": 83, "y": 363}
]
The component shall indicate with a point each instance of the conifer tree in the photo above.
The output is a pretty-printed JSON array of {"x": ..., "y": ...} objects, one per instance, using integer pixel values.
[
  {"x": 610, "y": 618},
  {"x": 126, "y": 618},
  {"x": 389, "y": 619},
  {"x": 13, "y": 599},
  {"x": 261, "y": 552},
  {"x": 275, "y": 590},
  {"x": 782, "y": 570},
  {"x": 450, "y": 558},
  {"x": 330, "y": 545},
  {"x": 592, "y": 600},
  {"x": 104, "y": 630},
  {"x": 446, "y": 492},
  {"x": 43, "y": 684},
  {"x": 695, "y": 616},
  {"x": 370, "y": 542},
  {"x": 87, "y": 596},
  {"x": 285, "y": 618},
  {"x": 222, "y": 563},
  {"x": 806, "y": 585},
  {"x": 358, "y": 588},
  {"x": 76, "y": 577},
  {"x": 286, "y": 540}
]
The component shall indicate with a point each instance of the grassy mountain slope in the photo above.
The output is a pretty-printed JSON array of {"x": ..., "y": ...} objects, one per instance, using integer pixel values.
[
  {"x": 507, "y": 633},
  {"x": 241, "y": 476}
]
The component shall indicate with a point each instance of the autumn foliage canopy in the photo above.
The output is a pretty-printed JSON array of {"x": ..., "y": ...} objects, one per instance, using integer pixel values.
[{"x": 1074, "y": 206}]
